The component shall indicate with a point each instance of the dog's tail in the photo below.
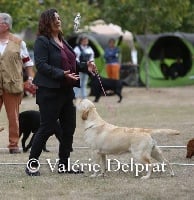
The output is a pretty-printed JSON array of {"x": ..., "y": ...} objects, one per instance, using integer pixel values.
[
  {"x": 1, "y": 129},
  {"x": 165, "y": 131}
]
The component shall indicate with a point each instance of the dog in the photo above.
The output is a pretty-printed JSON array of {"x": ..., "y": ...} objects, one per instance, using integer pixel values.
[
  {"x": 108, "y": 84},
  {"x": 107, "y": 139},
  {"x": 190, "y": 148},
  {"x": 29, "y": 122}
]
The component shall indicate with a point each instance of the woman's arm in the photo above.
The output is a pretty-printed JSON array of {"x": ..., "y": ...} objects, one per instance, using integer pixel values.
[{"x": 41, "y": 55}]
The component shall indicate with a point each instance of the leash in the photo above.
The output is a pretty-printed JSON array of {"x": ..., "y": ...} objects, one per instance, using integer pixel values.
[{"x": 99, "y": 80}]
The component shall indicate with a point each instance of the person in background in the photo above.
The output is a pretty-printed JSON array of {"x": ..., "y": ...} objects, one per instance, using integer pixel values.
[
  {"x": 111, "y": 56},
  {"x": 84, "y": 53},
  {"x": 13, "y": 57},
  {"x": 57, "y": 74}
]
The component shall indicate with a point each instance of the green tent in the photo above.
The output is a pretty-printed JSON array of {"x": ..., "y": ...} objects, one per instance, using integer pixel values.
[{"x": 166, "y": 47}]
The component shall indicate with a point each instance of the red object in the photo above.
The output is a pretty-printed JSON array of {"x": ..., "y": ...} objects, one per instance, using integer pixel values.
[
  {"x": 190, "y": 148},
  {"x": 26, "y": 59}
]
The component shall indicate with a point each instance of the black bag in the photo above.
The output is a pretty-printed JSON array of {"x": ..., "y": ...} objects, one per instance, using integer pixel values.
[{"x": 84, "y": 58}]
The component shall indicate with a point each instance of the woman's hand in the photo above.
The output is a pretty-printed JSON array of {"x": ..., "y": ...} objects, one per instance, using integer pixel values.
[
  {"x": 73, "y": 76},
  {"x": 92, "y": 67}
]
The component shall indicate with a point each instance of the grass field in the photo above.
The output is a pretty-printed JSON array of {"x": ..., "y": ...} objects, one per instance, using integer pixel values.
[{"x": 154, "y": 108}]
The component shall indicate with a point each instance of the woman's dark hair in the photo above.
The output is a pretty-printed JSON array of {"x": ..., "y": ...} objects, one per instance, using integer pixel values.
[{"x": 44, "y": 26}]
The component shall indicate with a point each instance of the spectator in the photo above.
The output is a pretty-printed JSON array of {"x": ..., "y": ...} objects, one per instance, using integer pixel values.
[
  {"x": 112, "y": 60},
  {"x": 84, "y": 53},
  {"x": 13, "y": 57}
]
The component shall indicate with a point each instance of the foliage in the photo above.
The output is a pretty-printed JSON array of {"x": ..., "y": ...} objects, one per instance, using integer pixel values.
[
  {"x": 150, "y": 16},
  {"x": 26, "y": 13},
  {"x": 147, "y": 16}
]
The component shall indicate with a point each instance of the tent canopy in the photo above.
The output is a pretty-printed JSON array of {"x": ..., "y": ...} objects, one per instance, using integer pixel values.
[
  {"x": 145, "y": 40},
  {"x": 168, "y": 47},
  {"x": 103, "y": 32}
]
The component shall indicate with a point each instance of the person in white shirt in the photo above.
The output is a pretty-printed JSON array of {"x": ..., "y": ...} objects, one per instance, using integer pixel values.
[
  {"x": 84, "y": 53},
  {"x": 14, "y": 57}
]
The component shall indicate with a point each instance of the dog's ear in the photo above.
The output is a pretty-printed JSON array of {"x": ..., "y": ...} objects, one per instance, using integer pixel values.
[{"x": 85, "y": 115}]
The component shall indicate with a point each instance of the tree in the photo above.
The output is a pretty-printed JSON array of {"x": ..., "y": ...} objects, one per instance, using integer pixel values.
[
  {"x": 26, "y": 13},
  {"x": 188, "y": 20},
  {"x": 145, "y": 16},
  {"x": 138, "y": 16}
]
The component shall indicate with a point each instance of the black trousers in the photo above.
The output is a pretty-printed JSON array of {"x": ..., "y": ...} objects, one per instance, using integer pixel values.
[{"x": 55, "y": 104}]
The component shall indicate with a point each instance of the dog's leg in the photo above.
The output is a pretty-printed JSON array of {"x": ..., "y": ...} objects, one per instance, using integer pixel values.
[
  {"x": 143, "y": 157},
  {"x": 97, "y": 161},
  {"x": 120, "y": 99},
  {"x": 103, "y": 165},
  {"x": 30, "y": 143},
  {"x": 120, "y": 96},
  {"x": 96, "y": 99},
  {"x": 118, "y": 90},
  {"x": 23, "y": 144},
  {"x": 146, "y": 160},
  {"x": 157, "y": 154},
  {"x": 25, "y": 137},
  {"x": 98, "y": 92}
]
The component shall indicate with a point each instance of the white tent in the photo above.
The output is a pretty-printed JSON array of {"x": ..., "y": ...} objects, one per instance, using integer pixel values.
[{"x": 100, "y": 27}]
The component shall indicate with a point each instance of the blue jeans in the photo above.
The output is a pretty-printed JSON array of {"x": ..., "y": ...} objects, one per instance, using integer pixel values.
[{"x": 82, "y": 91}]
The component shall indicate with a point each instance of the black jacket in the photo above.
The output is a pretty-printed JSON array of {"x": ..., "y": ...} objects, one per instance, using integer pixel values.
[{"x": 47, "y": 55}]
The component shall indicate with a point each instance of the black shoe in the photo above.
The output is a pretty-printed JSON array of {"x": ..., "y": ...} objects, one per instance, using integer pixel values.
[{"x": 29, "y": 173}]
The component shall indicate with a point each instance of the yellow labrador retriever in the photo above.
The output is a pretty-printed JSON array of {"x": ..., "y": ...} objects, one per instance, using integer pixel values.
[{"x": 107, "y": 139}]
